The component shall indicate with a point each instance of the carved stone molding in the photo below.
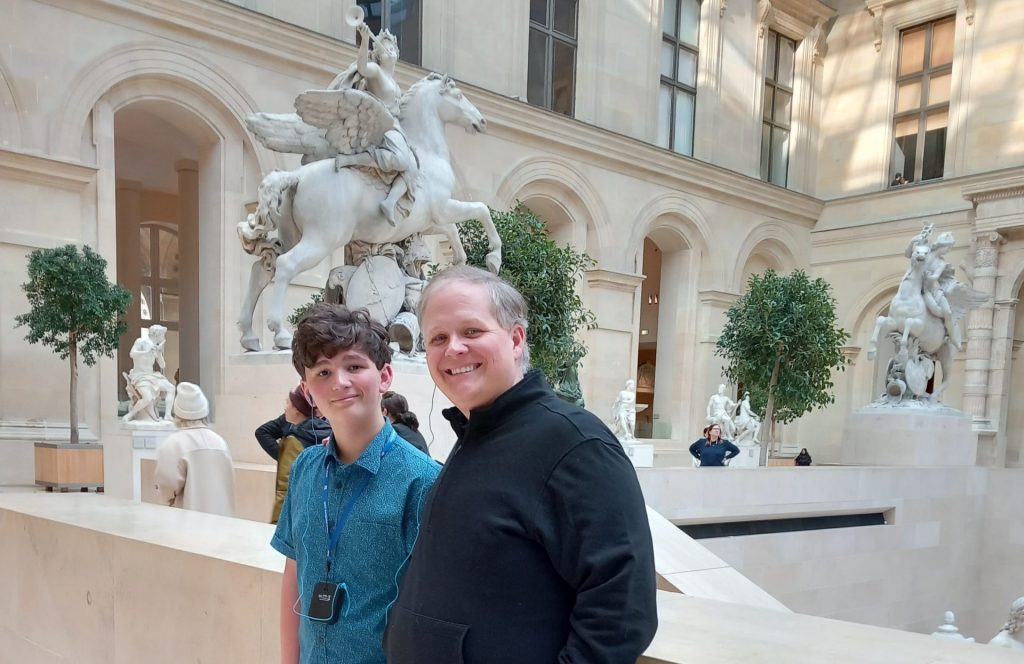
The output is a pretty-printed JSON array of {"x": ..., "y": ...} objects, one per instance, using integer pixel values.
[
  {"x": 723, "y": 5},
  {"x": 764, "y": 16},
  {"x": 876, "y": 23},
  {"x": 986, "y": 249},
  {"x": 718, "y": 298},
  {"x": 795, "y": 18},
  {"x": 969, "y": 6},
  {"x": 1008, "y": 303},
  {"x": 620, "y": 281},
  {"x": 995, "y": 189}
]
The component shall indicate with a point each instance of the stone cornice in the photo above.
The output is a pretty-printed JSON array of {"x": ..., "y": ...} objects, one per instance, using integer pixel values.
[
  {"x": 284, "y": 47},
  {"x": 794, "y": 17},
  {"x": 621, "y": 281},
  {"x": 717, "y": 297},
  {"x": 991, "y": 189},
  {"x": 40, "y": 169}
]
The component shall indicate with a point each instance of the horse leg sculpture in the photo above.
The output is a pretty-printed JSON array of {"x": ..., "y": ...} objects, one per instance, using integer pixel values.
[
  {"x": 259, "y": 277},
  {"x": 884, "y": 324},
  {"x": 303, "y": 256},
  {"x": 454, "y": 211}
]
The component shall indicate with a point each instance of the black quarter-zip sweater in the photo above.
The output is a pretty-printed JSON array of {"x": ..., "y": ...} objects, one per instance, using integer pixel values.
[{"x": 534, "y": 545}]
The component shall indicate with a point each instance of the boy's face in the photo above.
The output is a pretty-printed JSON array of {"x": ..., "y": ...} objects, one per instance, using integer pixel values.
[{"x": 347, "y": 387}]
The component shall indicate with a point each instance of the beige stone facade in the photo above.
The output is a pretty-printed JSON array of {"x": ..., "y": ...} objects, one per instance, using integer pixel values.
[{"x": 121, "y": 117}]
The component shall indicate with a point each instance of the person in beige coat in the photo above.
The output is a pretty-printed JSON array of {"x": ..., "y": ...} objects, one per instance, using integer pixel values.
[{"x": 193, "y": 465}]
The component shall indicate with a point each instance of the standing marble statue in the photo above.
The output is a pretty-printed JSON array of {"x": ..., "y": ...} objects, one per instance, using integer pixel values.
[
  {"x": 720, "y": 411},
  {"x": 748, "y": 425},
  {"x": 376, "y": 169},
  {"x": 924, "y": 321},
  {"x": 1011, "y": 636},
  {"x": 146, "y": 385},
  {"x": 624, "y": 413}
]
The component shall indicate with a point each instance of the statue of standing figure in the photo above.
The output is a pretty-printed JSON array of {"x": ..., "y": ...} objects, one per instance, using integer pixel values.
[
  {"x": 748, "y": 425},
  {"x": 146, "y": 385},
  {"x": 624, "y": 413},
  {"x": 720, "y": 411},
  {"x": 1011, "y": 636}
]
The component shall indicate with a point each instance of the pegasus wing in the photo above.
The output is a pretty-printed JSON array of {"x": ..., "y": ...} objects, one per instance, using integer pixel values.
[
  {"x": 962, "y": 298},
  {"x": 286, "y": 132},
  {"x": 353, "y": 120}
]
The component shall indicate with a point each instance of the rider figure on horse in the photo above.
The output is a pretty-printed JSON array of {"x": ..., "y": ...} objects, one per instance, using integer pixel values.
[{"x": 937, "y": 275}]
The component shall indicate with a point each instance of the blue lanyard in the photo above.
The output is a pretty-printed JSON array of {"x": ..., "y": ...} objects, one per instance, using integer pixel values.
[{"x": 333, "y": 537}]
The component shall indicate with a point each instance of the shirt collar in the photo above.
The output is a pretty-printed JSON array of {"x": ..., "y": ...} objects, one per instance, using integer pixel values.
[
  {"x": 371, "y": 457},
  {"x": 529, "y": 390}
]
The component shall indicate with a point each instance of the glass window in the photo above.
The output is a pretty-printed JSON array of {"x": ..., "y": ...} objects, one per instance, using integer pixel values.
[
  {"x": 922, "y": 102},
  {"x": 777, "y": 107},
  {"x": 402, "y": 18},
  {"x": 678, "y": 93},
  {"x": 551, "y": 71},
  {"x": 158, "y": 289}
]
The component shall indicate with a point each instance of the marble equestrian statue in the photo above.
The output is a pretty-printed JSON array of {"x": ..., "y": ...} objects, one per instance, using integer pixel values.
[
  {"x": 748, "y": 425},
  {"x": 145, "y": 385},
  {"x": 360, "y": 140},
  {"x": 624, "y": 412},
  {"x": 924, "y": 321},
  {"x": 720, "y": 411},
  {"x": 1011, "y": 636}
]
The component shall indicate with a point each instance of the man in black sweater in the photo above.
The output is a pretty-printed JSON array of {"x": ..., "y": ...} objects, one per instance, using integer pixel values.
[{"x": 534, "y": 545}]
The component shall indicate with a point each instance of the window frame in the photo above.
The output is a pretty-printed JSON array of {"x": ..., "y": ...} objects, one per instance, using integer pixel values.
[
  {"x": 385, "y": 24},
  {"x": 673, "y": 83},
  {"x": 924, "y": 75},
  {"x": 550, "y": 36},
  {"x": 773, "y": 82}
]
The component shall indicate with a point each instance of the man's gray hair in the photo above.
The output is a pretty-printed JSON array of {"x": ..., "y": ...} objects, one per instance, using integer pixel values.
[{"x": 507, "y": 304}]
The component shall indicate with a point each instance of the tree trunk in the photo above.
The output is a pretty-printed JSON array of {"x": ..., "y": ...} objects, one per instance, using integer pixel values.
[
  {"x": 73, "y": 355},
  {"x": 769, "y": 412}
]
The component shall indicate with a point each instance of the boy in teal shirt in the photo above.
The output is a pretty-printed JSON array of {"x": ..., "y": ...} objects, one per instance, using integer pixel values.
[{"x": 351, "y": 515}]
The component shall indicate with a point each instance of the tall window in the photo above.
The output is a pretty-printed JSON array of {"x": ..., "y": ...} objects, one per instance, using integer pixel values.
[
  {"x": 777, "y": 107},
  {"x": 402, "y": 18},
  {"x": 551, "y": 76},
  {"x": 680, "y": 24},
  {"x": 922, "y": 102}
]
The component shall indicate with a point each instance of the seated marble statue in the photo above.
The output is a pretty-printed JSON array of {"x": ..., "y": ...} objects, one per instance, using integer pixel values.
[
  {"x": 720, "y": 411},
  {"x": 748, "y": 425},
  {"x": 1011, "y": 636},
  {"x": 145, "y": 385}
]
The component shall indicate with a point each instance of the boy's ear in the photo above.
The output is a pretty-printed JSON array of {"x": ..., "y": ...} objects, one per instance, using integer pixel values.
[
  {"x": 305, "y": 393},
  {"x": 387, "y": 375}
]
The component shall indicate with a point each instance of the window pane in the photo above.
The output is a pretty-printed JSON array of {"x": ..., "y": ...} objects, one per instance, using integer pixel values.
[
  {"x": 904, "y": 147},
  {"x": 565, "y": 17},
  {"x": 684, "y": 123},
  {"x": 908, "y": 96},
  {"x": 912, "y": 51},
  {"x": 780, "y": 156},
  {"x": 934, "y": 145},
  {"x": 769, "y": 56},
  {"x": 938, "y": 89},
  {"x": 769, "y": 91},
  {"x": 783, "y": 106},
  {"x": 405, "y": 25},
  {"x": 563, "y": 89},
  {"x": 787, "y": 58},
  {"x": 766, "y": 138},
  {"x": 145, "y": 302},
  {"x": 687, "y": 74},
  {"x": 668, "y": 17},
  {"x": 664, "y": 115},
  {"x": 668, "y": 54},
  {"x": 144, "y": 258},
  {"x": 168, "y": 255},
  {"x": 942, "y": 42},
  {"x": 169, "y": 305},
  {"x": 535, "y": 83},
  {"x": 373, "y": 12},
  {"x": 539, "y": 11},
  {"x": 689, "y": 21}
]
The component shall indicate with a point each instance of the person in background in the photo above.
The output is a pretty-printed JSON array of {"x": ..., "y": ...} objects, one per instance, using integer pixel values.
[
  {"x": 193, "y": 465},
  {"x": 713, "y": 450},
  {"x": 396, "y": 409},
  {"x": 300, "y": 429},
  {"x": 804, "y": 458}
]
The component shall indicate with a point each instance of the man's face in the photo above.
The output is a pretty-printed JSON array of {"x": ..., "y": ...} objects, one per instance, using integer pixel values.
[
  {"x": 347, "y": 387},
  {"x": 471, "y": 358}
]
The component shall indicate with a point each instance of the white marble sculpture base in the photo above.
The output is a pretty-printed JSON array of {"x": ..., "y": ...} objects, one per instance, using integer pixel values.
[
  {"x": 894, "y": 436},
  {"x": 146, "y": 437},
  {"x": 749, "y": 456},
  {"x": 641, "y": 454}
]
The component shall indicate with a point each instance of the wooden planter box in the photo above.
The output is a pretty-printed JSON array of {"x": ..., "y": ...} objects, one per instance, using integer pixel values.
[{"x": 68, "y": 467}]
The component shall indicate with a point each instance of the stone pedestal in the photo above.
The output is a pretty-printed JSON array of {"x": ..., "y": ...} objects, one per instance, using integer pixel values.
[
  {"x": 749, "y": 456},
  {"x": 146, "y": 437},
  {"x": 908, "y": 436},
  {"x": 641, "y": 454}
]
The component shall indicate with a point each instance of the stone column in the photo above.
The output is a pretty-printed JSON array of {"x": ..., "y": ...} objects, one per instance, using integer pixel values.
[
  {"x": 612, "y": 346},
  {"x": 979, "y": 330},
  {"x": 188, "y": 269},
  {"x": 1001, "y": 359},
  {"x": 128, "y": 203}
]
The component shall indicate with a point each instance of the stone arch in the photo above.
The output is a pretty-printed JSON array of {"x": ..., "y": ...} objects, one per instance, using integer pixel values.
[
  {"x": 675, "y": 220},
  {"x": 178, "y": 68},
  {"x": 1011, "y": 287},
  {"x": 861, "y": 318},
  {"x": 561, "y": 188},
  {"x": 770, "y": 240},
  {"x": 10, "y": 110}
]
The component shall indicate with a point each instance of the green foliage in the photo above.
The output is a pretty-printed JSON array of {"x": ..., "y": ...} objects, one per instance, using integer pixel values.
[
  {"x": 788, "y": 321},
  {"x": 74, "y": 306},
  {"x": 546, "y": 275},
  {"x": 300, "y": 312}
]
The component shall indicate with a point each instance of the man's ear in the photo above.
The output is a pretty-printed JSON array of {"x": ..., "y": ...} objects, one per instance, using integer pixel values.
[{"x": 518, "y": 340}]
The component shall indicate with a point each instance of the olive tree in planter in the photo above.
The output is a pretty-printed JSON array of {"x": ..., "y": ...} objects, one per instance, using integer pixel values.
[{"x": 78, "y": 312}]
